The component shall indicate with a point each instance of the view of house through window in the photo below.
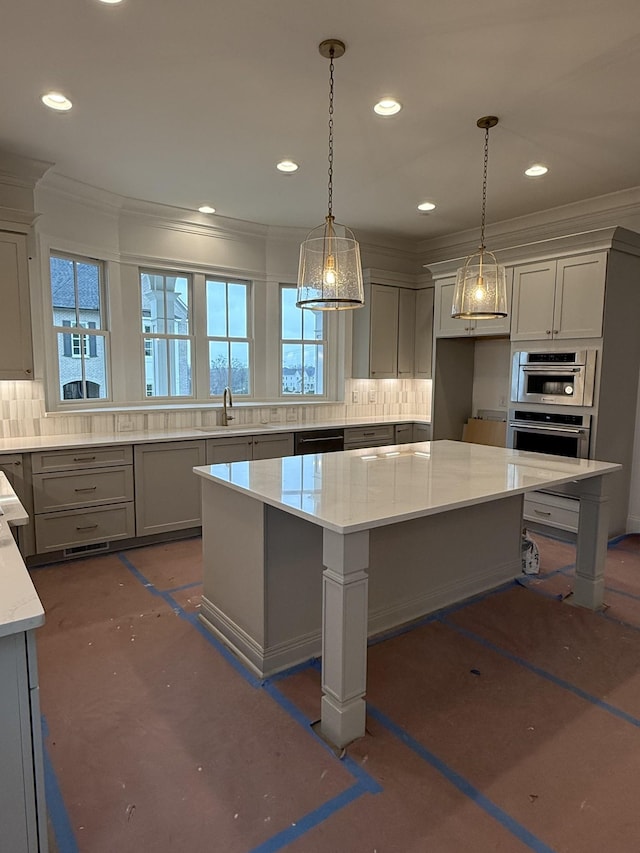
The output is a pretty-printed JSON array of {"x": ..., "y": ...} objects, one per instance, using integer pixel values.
[
  {"x": 165, "y": 334},
  {"x": 303, "y": 347},
  {"x": 76, "y": 299},
  {"x": 228, "y": 327}
]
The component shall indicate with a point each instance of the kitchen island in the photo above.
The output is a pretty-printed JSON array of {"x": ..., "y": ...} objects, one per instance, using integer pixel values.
[{"x": 313, "y": 554}]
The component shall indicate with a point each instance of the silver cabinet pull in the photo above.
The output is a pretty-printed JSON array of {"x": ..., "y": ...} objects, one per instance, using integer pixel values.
[
  {"x": 86, "y": 489},
  {"x": 541, "y": 512},
  {"x": 86, "y": 527},
  {"x": 84, "y": 458}
]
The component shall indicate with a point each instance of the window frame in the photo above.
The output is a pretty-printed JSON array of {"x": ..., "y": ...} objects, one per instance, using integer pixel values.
[
  {"x": 89, "y": 336},
  {"x": 325, "y": 342},
  {"x": 168, "y": 337},
  {"x": 230, "y": 339}
]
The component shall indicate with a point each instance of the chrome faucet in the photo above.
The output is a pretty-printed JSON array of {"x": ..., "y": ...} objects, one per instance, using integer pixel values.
[{"x": 226, "y": 417}]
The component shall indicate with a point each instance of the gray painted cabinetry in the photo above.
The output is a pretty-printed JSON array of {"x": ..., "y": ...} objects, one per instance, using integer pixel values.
[{"x": 16, "y": 358}]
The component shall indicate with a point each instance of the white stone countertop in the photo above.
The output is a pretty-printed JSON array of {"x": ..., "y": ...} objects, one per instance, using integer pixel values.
[
  {"x": 361, "y": 489},
  {"x": 31, "y": 443},
  {"x": 20, "y": 607}
]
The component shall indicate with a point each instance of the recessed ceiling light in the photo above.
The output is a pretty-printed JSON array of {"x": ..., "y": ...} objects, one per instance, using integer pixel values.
[
  {"x": 287, "y": 166},
  {"x": 387, "y": 107},
  {"x": 536, "y": 170},
  {"x": 206, "y": 208},
  {"x": 426, "y": 205},
  {"x": 111, "y": 2},
  {"x": 56, "y": 101}
]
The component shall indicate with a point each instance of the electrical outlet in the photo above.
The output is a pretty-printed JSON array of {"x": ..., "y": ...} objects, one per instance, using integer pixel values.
[
  {"x": 372, "y": 395},
  {"x": 502, "y": 401},
  {"x": 355, "y": 397}
]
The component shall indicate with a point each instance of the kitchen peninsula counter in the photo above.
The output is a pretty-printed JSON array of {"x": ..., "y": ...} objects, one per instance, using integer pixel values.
[{"x": 313, "y": 554}]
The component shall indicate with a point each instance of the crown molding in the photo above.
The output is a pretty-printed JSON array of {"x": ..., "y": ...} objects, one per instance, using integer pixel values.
[
  {"x": 20, "y": 171},
  {"x": 605, "y": 211}
]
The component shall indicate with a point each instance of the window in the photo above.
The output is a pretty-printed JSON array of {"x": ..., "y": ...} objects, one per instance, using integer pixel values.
[
  {"x": 303, "y": 347},
  {"x": 76, "y": 301},
  {"x": 228, "y": 336},
  {"x": 165, "y": 333}
]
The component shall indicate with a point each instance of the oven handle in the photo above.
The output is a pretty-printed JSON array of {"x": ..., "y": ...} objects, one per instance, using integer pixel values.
[
  {"x": 550, "y": 370},
  {"x": 536, "y": 427}
]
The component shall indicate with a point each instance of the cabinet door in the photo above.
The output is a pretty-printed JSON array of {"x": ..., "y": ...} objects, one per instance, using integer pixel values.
[
  {"x": 501, "y": 325},
  {"x": 404, "y": 433},
  {"x": 533, "y": 301},
  {"x": 167, "y": 490},
  {"x": 272, "y": 446},
  {"x": 383, "y": 340},
  {"x": 421, "y": 432},
  {"x": 16, "y": 359},
  {"x": 229, "y": 449},
  {"x": 446, "y": 325},
  {"x": 579, "y": 302},
  {"x": 406, "y": 332},
  {"x": 423, "y": 334}
]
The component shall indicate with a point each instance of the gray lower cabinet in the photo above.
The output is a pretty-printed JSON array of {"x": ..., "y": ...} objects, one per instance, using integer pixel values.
[
  {"x": 404, "y": 433},
  {"x": 82, "y": 498},
  {"x": 421, "y": 432},
  {"x": 370, "y": 436},
  {"x": 23, "y": 819},
  {"x": 167, "y": 490},
  {"x": 245, "y": 447}
]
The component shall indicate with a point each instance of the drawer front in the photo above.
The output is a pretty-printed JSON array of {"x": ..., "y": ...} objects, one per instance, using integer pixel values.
[
  {"x": 562, "y": 513},
  {"x": 58, "y": 530},
  {"x": 73, "y": 460},
  {"x": 68, "y": 490},
  {"x": 364, "y": 434}
]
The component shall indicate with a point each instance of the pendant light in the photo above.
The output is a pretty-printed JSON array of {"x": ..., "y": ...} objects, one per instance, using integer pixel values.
[
  {"x": 330, "y": 271},
  {"x": 481, "y": 284}
]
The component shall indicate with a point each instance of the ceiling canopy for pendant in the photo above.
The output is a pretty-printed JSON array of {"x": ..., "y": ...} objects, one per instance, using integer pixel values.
[
  {"x": 330, "y": 270},
  {"x": 481, "y": 283}
]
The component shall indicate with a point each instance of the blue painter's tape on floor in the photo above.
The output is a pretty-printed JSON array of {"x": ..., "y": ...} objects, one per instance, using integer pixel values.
[
  {"x": 465, "y": 787},
  {"x": 309, "y": 821},
  {"x": 62, "y": 829},
  {"x": 184, "y": 586},
  {"x": 543, "y": 673},
  {"x": 365, "y": 783}
]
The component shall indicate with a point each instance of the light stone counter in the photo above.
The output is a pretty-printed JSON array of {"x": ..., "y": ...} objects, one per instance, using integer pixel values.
[
  {"x": 20, "y": 607},
  {"x": 27, "y": 444},
  {"x": 401, "y": 531}
]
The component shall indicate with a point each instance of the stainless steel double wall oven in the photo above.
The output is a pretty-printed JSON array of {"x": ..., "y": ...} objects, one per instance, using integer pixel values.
[{"x": 552, "y": 381}]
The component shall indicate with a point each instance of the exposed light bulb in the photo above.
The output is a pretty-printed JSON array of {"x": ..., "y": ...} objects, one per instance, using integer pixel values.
[
  {"x": 480, "y": 292},
  {"x": 329, "y": 272}
]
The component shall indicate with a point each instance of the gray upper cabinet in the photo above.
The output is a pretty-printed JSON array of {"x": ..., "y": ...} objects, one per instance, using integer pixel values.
[
  {"x": 423, "y": 347},
  {"x": 559, "y": 299},
  {"x": 447, "y": 326},
  {"x": 392, "y": 334},
  {"x": 16, "y": 355}
]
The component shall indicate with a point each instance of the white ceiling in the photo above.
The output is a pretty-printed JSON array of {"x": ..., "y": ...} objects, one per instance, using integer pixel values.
[{"x": 193, "y": 102}]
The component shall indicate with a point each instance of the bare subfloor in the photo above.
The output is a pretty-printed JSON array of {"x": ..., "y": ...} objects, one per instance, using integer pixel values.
[{"x": 509, "y": 723}]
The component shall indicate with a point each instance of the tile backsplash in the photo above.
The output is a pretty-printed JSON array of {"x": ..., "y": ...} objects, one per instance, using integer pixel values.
[{"x": 22, "y": 410}]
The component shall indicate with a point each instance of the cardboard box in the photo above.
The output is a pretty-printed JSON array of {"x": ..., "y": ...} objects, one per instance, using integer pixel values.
[{"x": 477, "y": 431}]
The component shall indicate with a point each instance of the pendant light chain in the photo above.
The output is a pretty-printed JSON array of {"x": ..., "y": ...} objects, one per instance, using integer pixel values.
[
  {"x": 330, "y": 158},
  {"x": 484, "y": 186}
]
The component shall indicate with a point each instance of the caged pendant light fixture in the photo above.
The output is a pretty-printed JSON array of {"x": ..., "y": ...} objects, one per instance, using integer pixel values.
[
  {"x": 330, "y": 271},
  {"x": 481, "y": 283}
]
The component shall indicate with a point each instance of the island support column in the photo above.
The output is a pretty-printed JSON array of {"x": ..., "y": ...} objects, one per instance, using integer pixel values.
[
  {"x": 344, "y": 635},
  {"x": 591, "y": 545}
]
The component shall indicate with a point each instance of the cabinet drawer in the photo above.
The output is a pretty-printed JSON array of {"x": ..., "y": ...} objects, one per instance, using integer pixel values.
[
  {"x": 58, "y": 530},
  {"x": 72, "y": 460},
  {"x": 552, "y": 510},
  {"x": 371, "y": 433},
  {"x": 67, "y": 490}
]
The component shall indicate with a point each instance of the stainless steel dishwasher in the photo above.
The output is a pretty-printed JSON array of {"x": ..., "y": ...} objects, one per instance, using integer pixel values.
[{"x": 318, "y": 441}]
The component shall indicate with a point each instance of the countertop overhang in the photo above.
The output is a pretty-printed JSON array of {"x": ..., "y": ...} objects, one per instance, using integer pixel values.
[
  {"x": 361, "y": 489},
  {"x": 20, "y": 607}
]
